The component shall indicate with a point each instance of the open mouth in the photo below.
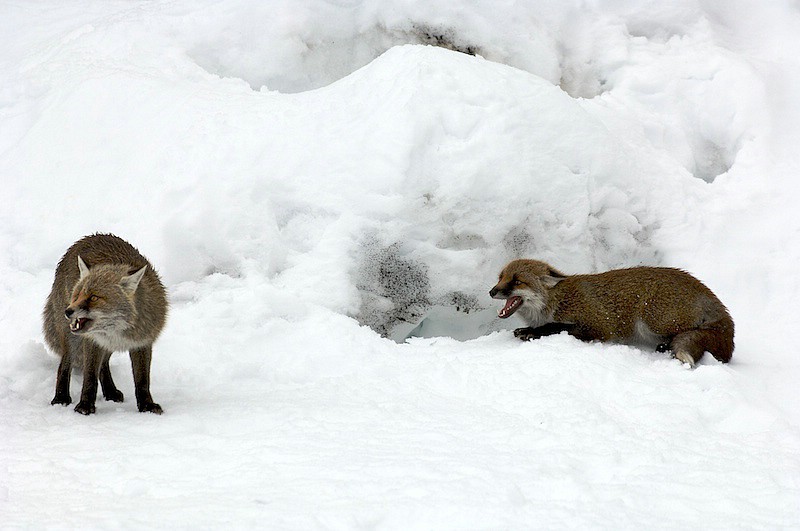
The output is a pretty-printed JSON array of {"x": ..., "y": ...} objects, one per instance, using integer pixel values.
[
  {"x": 512, "y": 305},
  {"x": 81, "y": 324}
]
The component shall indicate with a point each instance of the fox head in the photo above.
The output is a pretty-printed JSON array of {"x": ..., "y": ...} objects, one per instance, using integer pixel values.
[
  {"x": 102, "y": 299},
  {"x": 524, "y": 285}
]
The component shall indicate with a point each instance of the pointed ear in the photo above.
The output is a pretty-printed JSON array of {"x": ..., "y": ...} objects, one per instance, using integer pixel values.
[
  {"x": 82, "y": 267},
  {"x": 553, "y": 277},
  {"x": 551, "y": 282},
  {"x": 131, "y": 282}
]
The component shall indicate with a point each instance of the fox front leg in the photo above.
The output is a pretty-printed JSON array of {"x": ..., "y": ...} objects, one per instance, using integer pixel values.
[
  {"x": 62, "y": 381},
  {"x": 530, "y": 333},
  {"x": 92, "y": 358},
  {"x": 66, "y": 347}
]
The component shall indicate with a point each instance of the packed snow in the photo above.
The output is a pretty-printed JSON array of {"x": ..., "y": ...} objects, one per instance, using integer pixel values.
[{"x": 329, "y": 189}]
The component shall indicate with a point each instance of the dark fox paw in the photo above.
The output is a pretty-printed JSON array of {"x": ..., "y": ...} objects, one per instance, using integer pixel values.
[
  {"x": 150, "y": 407},
  {"x": 85, "y": 408},
  {"x": 526, "y": 334},
  {"x": 64, "y": 400},
  {"x": 115, "y": 396}
]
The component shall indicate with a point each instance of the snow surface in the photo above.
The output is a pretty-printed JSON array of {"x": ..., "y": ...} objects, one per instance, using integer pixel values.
[{"x": 329, "y": 198}]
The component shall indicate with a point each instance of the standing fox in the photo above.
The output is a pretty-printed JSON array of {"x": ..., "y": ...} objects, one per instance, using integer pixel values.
[
  {"x": 113, "y": 301},
  {"x": 661, "y": 307}
]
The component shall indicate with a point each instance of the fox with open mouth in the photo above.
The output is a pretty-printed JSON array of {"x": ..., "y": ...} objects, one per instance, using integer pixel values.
[
  {"x": 113, "y": 300},
  {"x": 664, "y": 308}
]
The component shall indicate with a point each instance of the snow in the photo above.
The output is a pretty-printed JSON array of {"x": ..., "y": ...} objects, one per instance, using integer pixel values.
[{"x": 329, "y": 198}]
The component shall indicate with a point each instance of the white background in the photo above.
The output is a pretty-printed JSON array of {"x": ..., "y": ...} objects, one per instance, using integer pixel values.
[{"x": 303, "y": 173}]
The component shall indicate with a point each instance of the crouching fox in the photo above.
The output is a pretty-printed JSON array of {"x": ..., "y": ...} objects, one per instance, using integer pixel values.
[
  {"x": 665, "y": 308},
  {"x": 106, "y": 297}
]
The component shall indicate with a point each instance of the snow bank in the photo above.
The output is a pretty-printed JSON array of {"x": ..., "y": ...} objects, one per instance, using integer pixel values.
[
  {"x": 470, "y": 163},
  {"x": 312, "y": 181},
  {"x": 311, "y": 44}
]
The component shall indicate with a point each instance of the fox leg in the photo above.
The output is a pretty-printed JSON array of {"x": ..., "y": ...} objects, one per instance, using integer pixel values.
[
  {"x": 529, "y": 333},
  {"x": 110, "y": 391},
  {"x": 140, "y": 361},
  {"x": 63, "y": 376},
  {"x": 92, "y": 358},
  {"x": 688, "y": 347}
]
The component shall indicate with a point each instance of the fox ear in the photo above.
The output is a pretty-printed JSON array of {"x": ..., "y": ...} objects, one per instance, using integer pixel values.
[
  {"x": 131, "y": 282},
  {"x": 551, "y": 282},
  {"x": 552, "y": 277},
  {"x": 82, "y": 267}
]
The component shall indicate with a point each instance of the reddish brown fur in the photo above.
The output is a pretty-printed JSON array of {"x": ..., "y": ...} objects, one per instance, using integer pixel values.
[
  {"x": 652, "y": 305},
  {"x": 122, "y": 314}
]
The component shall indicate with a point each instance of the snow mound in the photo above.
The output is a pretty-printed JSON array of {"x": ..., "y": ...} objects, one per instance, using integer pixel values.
[
  {"x": 294, "y": 47},
  {"x": 471, "y": 163}
]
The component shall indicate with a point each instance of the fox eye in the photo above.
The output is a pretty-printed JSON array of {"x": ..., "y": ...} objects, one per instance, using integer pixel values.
[
  {"x": 517, "y": 282},
  {"x": 94, "y": 298}
]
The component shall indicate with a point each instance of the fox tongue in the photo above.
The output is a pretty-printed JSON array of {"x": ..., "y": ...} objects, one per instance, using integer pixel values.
[{"x": 512, "y": 305}]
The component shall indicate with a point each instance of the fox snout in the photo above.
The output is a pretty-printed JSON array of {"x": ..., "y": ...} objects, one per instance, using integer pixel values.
[
  {"x": 78, "y": 317},
  {"x": 72, "y": 308},
  {"x": 495, "y": 291},
  {"x": 502, "y": 290},
  {"x": 513, "y": 302}
]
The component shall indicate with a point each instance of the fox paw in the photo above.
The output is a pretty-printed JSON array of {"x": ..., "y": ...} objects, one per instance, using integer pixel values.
[
  {"x": 115, "y": 396},
  {"x": 685, "y": 358},
  {"x": 150, "y": 407},
  {"x": 64, "y": 400},
  {"x": 85, "y": 408},
  {"x": 526, "y": 334}
]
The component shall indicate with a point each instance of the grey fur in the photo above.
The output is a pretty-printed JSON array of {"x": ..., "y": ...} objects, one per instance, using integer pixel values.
[{"x": 113, "y": 301}]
